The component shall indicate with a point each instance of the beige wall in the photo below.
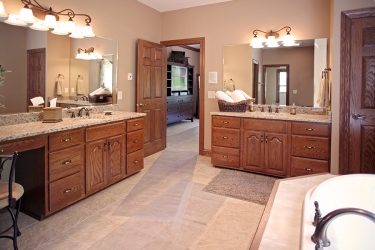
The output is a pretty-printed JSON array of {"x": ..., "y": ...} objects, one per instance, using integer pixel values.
[
  {"x": 233, "y": 22},
  {"x": 301, "y": 70}
]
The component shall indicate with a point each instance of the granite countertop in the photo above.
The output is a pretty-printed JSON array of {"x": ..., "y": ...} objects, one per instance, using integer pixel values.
[
  {"x": 17, "y": 131},
  {"x": 277, "y": 116},
  {"x": 81, "y": 103}
]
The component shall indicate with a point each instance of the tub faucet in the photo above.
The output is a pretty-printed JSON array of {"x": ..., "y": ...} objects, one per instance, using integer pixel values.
[{"x": 320, "y": 235}]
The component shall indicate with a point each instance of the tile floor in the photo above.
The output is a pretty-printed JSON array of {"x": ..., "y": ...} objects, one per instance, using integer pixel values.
[{"x": 119, "y": 218}]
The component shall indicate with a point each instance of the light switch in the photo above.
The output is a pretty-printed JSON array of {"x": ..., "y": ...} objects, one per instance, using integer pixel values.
[
  {"x": 294, "y": 91},
  {"x": 119, "y": 95},
  {"x": 66, "y": 90},
  {"x": 72, "y": 90},
  {"x": 211, "y": 94},
  {"x": 130, "y": 76}
]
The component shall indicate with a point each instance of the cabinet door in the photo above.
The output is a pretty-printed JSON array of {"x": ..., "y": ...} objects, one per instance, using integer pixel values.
[
  {"x": 95, "y": 165},
  {"x": 253, "y": 158},
  {"x": 276, "y": 153},
  {"x": 116, "y": 158}
]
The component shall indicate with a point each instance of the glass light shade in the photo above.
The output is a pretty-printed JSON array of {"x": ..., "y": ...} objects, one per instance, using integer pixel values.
[
  {"x": 2, "y": 10},
  {"x": 256, "y": 43},
  {"x": 50, "y": 21},
  {"x": 288, "y": 40},
  {"x": 39, "y": 26},
  {"x": 79, "y": 56},
  {"x": 95, "y": 55},
  {"x": 85, "y": 56},
  {"x": 76, "y": 34},
  {"x": 13, "y": 20},
  {"x": 26, "y": 15},
  {"x": 87, "y": 31},
  {"x": 70, "y": 26},
  {"x": 271, "y": 42}
]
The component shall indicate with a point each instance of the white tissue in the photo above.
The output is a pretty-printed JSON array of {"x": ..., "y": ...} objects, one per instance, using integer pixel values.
[
  {"x": 237, "y": 96},
  {"x": 36, "y": 101},
  {"x": 223, "y": 96},
  {"x": 52, "y": 103}
]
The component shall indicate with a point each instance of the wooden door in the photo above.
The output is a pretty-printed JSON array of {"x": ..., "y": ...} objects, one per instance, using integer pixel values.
[
  {"x": 357, "y": 102},
  {"x": 152, "y": 93},
  {"x": 253, "y": 151},
  {"x": 95, "y": 165},
  {"x": 276, "y": 153},
  {"x": 36, "y": 71},
  {"x": 116, "y": 158}
]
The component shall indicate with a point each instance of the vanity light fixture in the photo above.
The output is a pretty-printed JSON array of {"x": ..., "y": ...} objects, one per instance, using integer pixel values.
[
  {"x": 88, "y": 54},
  {"x": 271, "y": 38},
  {"x": 44, "y": 19}
]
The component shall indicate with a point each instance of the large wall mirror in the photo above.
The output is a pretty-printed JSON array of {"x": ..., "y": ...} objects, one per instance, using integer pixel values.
[
  {"x": 280, "y": 76},
  {"x": 60, "y": 61}
]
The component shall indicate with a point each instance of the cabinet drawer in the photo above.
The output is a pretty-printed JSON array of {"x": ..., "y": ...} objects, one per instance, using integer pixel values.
[
  {"x": 65, "y": 162},
  {"x": 20, "y": 146},
  {"x": 65, "y": 191},
  {"x": 104, "y": 131},
  {"x": 311, "y": 147},
  {"x": 226, "y": 157},
  {"x": 134, "y": 141},
  {"x": 173, "y": 109},
  {"x": 134, "y": 124},
  {"x": 134, "y": 162},
  {"x": 305, "y": 166},
  {"x": 185, "y": 99},
  {"x": 226, "y": 122},
  {"x": 226, "y": 137},
  {"x": 265, "y": 125},
  {"x": 65, "y": 139},
  {"x": 312, "y": 129}
]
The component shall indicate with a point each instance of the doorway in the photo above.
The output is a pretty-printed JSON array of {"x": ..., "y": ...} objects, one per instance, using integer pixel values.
[
  {"x": 276, "y": 84},
  {"x": 201, "y": 42},
  {"x": 36, "y": 68}
]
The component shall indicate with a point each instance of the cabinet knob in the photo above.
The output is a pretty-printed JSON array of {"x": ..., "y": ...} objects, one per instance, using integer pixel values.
[
  {"x": 2, "y": 150},
  {"x": 67, "y": 190},
  {"x": 135, "y": 141},
  {"x": 226, "y": 122},
  {"x": 309, "y": 147},
  {"x": 309, "y": 169},
  {"x": 225, "y": 137},
  {"x": 66, "y": 162},
  {"x": 310, "y": 129},
  {"x": 261, "y": 138},
  {"x": 225, "y": 156},
  {"x": 135, "y": 124},
  {"x": 135, "y": 161},
  {"x": 67, "y": 139}
]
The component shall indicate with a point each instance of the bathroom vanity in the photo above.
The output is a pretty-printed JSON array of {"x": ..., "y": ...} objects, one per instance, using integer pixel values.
[
  {"x": 62, "y": 163},
  {"x": 278, "y": 144}
]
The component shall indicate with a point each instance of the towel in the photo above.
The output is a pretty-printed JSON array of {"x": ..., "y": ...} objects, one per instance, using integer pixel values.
[
  {"x": 80, "y": 85},
  {"x": 101, "y": 91},
  {"x": 237, "y": 96},
  {"x": 223, "y": 96},
  {"x": 323, "y": 95},
  {"x": 106, "y": 72},
  {"x": 59, "y": 84},
  {"x": 245, "y": 95}
]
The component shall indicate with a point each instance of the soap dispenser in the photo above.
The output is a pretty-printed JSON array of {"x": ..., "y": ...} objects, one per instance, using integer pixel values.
[{"x": 293, "y": 110}]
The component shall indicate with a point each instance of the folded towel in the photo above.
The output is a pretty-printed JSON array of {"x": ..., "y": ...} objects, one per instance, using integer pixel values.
[
  {"x": 245, "y": 95},
  {"x": 223, "y": 96},
  {"x": 80, "y": 85},
  {"x": 237, "y": 96},
  {"x": 101, "y": 91},
  {"x": 228, "y": 92},
  {"x": 59, "y": 84}
]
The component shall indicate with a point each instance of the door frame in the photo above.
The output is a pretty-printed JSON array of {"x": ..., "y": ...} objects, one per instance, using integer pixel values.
[
  {"x": 201, "y": 42},
  {"x": 287, "y": 79},
  {"x": 345, "y": 57},
  {"x": 255, "y": 79}
]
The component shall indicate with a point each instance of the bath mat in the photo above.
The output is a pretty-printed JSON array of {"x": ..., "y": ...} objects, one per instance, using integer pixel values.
[{"x": 242, "y": 185}]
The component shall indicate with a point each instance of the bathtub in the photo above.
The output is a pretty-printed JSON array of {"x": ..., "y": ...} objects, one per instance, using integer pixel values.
[{"x": 349, "y": 231}]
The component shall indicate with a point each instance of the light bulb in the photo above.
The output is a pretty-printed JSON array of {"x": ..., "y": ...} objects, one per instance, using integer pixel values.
[
  {"x": 271, "y": 42},
  {"x": 288, "y": 40},
  {"x": 256, "y": 43},
  {"x": 70, "y": 26},
  {"x": 87, "y": 31},
  {"x": 50, "y": 21}
]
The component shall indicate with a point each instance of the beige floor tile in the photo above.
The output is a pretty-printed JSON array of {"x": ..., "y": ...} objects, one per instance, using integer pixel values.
[
  {"x": 98, "y": 201},
  {"x": 120, "y": 189},
  {"x": 267, "y": 244},
  {"x": 23, "y": 220},
  {"x": 223, "y": 240},
  {"x": 158, "y": 243},
  {"x": 63, "y": 242}
]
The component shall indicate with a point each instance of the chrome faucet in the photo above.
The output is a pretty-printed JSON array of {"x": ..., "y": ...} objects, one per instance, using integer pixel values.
[
  {"x": 85, "y": 98},
  {"x": 80, "y": 112},
  {"x": 320, "y": 235}
]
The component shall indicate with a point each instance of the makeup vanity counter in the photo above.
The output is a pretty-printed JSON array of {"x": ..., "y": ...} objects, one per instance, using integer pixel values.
[
  {"x": 61, "y": 163},
  {"x": 280, "y": 144}
]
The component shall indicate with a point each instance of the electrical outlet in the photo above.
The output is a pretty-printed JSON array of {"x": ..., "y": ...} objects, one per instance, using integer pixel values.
[
  {"x": 130, "y": 76},
  {"x": 294, "y": 91},
  {"x": 119, "y": 95},
  {"x": 72, "y": 90},
  {"x": 66, "y": 90},
  {"x": 211, "y": 94}
]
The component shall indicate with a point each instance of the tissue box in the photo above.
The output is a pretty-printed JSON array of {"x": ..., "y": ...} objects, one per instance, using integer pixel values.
[
  {"x": 52, "y": 114},
  {"x": 36, "y": 108}
]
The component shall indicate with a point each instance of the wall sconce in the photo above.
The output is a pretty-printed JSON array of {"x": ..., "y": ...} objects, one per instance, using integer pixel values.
[
  {"x": 271, "y": 38},
  {"x": 88, "y": 54},
  {"x": 43, "y": 19}
]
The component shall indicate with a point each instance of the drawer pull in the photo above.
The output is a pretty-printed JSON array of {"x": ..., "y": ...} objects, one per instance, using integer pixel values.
[
  {"x": 309, "y": 169},
  {"x": 135, "y": 161},
  {"x": 225, "y": 156},
  {"x": 226, "y": 122},
  {"x": 310, "y": 129},
  {"x": 67, "y": 190},
  {"x": 135, "y": 141},
  {"x": 66, "y": 162},
  {"x": 136, "y": 124},
  {"x": 225, "y": 137},
  {"x": 67, "y": 139},
  {"x": 309, "y": 147},
  {"x": 2, "y": 150}
]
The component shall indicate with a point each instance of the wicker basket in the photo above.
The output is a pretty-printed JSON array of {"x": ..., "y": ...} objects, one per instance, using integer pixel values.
[{"x": 233, "y": 106}]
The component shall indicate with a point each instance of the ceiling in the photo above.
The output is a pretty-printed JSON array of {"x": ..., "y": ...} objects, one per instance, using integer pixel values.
[{"x": 168, "y": 5}]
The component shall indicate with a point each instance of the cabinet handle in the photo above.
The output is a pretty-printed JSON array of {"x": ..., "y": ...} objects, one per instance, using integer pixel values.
[
  {"x": 66, "y": 162},
  {"x": 2, "y": 150},
  {"x": 266, "y": 138},
  {"x": 225, "y": 137},
  {"x": 309, "y": 147},
  {"x": 261, "y": 138},
  {"x": 67, "y": 139},
  {"x": 135, "y": 124},
  {"x": 310, "y": 129},
  {"x": 225, "y": 156},
  {"x": 67, "y": 190},
  {"x": 309, "y": 169},
  {"x": 135, "y": 141},
  {"x": 226, "y": 122},
  {"x": 135, "y": 161}
]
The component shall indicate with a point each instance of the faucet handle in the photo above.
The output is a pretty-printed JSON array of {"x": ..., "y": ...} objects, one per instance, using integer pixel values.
[
  {"x": 87, "y": 111},
  {"x": 72, "y": 112},
  {"x": 262, "y": 110}
]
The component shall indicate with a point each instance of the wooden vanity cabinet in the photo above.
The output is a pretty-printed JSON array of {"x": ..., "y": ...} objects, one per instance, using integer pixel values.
[
  {"x": 135, "y": 141},
  {"x": 105, "y": 155},
  {"x": 265, "y": 146}
]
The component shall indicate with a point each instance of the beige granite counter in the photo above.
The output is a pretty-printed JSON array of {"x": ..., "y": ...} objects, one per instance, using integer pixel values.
[
  {"x": 277, "y": 116},
  {"x": 81, "y": 103},
  {"x": 22, "y": 130}
]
